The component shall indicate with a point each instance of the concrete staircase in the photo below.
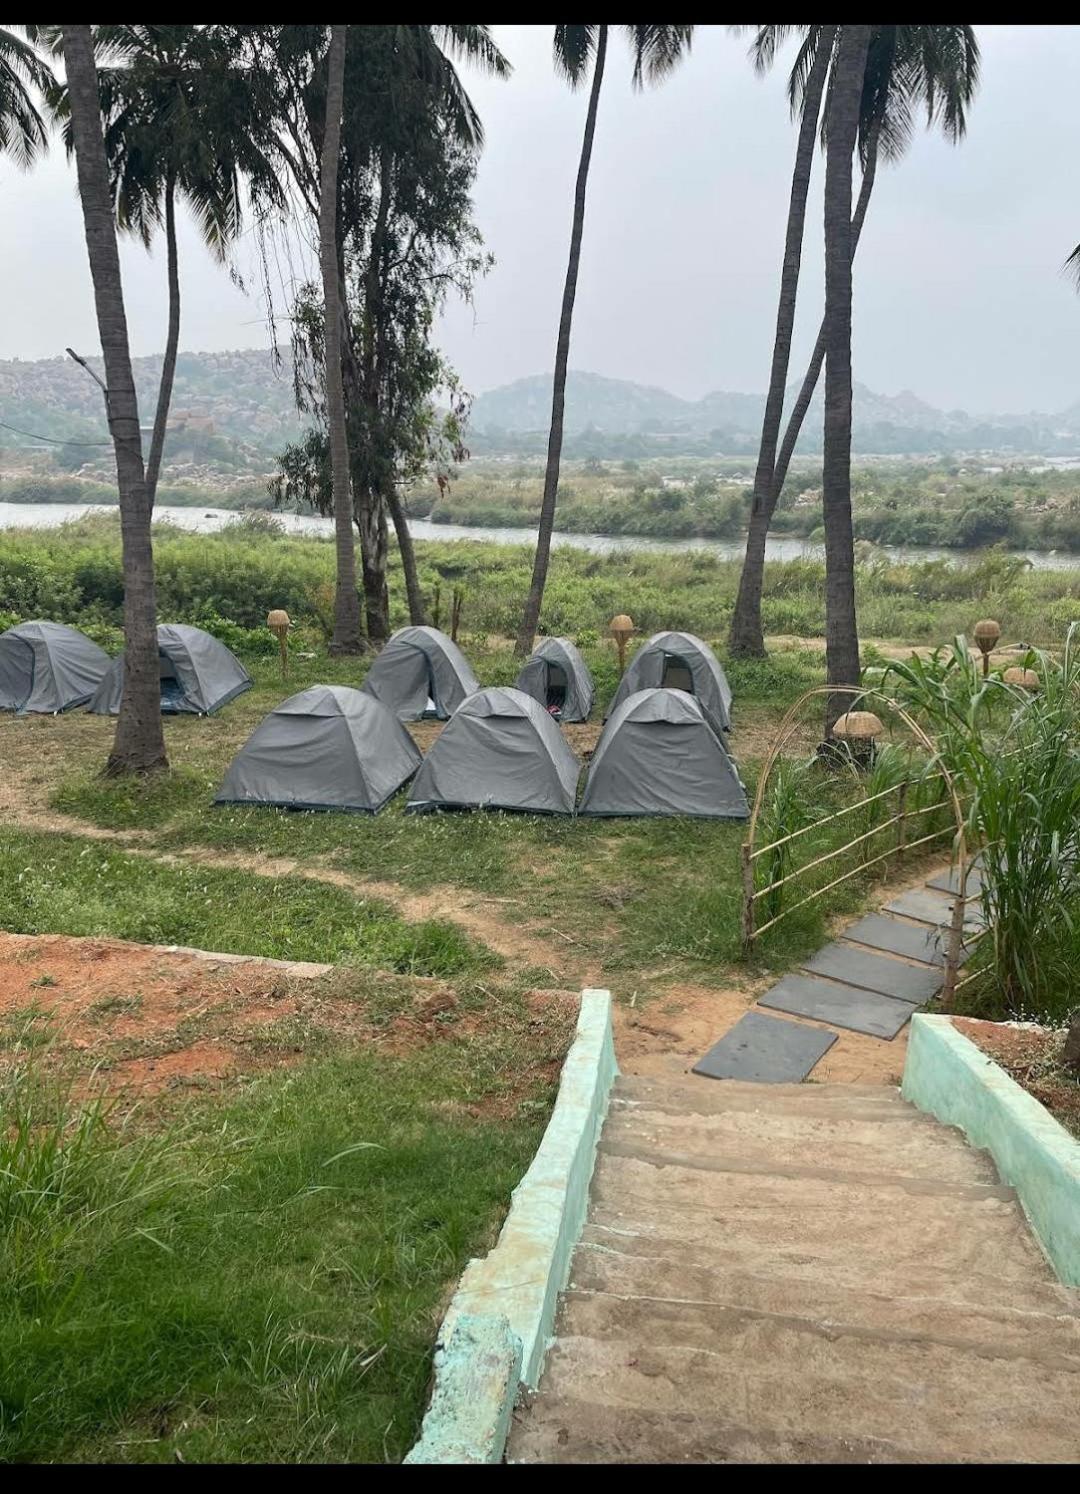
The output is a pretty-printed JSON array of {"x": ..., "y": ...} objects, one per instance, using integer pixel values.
[{"x": 802, "y": 1274}]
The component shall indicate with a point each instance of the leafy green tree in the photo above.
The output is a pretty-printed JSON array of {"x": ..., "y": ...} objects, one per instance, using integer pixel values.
[
  {"x": 404, "y": 103},
  {"x": 656, "y": 50},
  {"x": 139, "y": 745},
  {"x": 908, "y": 69}
]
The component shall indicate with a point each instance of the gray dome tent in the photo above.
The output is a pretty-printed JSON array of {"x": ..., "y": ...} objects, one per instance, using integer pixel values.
[
  {"x": 198, "y": 674},
  {"x": 328, "y": 747},
  {"x": 500, "y": 750},
  {"x": 47, "y": 667},
  {"x": 678, "y": 661},
  {"x": 659, "y": 755},
  {"x": 557, "y": 676},
  {"x": 421, "y": 673}
]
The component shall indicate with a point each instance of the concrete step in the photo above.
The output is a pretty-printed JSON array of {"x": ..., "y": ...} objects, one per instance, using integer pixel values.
[
  {"x": 698, "y": 1096},
  {"x": 1048, "y": 1322},
  {"x": 966, "y": 1277},
  {"x": 868, "y": 1218},
  {"x": 862, "y": 1139},
  {"x": 566, "y": 1429},
  {"x": 831, "y": 1384}
]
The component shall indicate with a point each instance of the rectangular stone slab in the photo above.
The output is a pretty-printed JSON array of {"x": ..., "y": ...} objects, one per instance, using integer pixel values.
[
  {"x": 931, "y": 907},
  {"x": 875, "y": 972},
  {"x": 950, "y": 881},
  {"x": 878, "y": 931},
  {"x": 843, "y": 1006},
  {"x": 766, "y": 1050}
]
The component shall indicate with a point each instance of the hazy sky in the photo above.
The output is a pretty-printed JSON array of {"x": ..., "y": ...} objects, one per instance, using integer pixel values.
[{"x": 959, "y": 293}]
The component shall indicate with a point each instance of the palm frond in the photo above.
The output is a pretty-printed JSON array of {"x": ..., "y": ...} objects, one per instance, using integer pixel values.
[
  {"x": 23, "y": 73},
  {"x": 657, "y": 50},
  {"x": 574, "y": 48}
]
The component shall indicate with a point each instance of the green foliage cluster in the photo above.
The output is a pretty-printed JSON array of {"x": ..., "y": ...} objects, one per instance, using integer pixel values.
[{"x": 228, "y": 581}]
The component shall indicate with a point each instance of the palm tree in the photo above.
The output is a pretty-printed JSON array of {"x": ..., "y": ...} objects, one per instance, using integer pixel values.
[
  {"x": 23, "y": 135},
  {"x": 841, "y": 629},
  {"x": 908, "y": 68},
  {"x": 346, "y": 638},
  {"x": 139, "y": 745},
  {"x": 656, "y": 50},
  {"x": 180, "y": 121}
]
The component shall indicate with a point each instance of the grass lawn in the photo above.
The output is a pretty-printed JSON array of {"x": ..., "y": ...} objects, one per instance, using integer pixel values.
[
  {"x": 259, "y": 1279},
  {"x": 254, "y": 1268}
]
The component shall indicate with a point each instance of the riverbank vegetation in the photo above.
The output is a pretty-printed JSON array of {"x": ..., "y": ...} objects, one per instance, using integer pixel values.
[{"x": 227, "y": 582}]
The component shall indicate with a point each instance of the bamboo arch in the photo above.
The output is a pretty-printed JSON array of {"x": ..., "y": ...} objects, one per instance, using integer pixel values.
[{"x": 750, "y": 852}]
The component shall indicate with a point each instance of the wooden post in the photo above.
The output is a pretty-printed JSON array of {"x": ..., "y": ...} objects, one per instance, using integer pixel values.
[
  {"x": 954, "y": 950},
  {"x": 748, "y": 896},
  {"x": 278, "y": 623},
  {"x": 455, "y": 611},
  {"x": 622, "y": 628},
  {"x": 901, "y": 828}
]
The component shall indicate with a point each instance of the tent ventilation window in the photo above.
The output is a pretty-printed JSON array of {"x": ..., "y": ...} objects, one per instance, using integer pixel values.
[{"x": 677, "y": 675}]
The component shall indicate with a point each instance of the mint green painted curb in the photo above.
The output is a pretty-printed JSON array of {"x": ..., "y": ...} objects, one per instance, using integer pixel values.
[
  {"x": 477, "y": 1373},
  {"x": 509, "y": 1296},
  {"x": 947, "y": 1075}
]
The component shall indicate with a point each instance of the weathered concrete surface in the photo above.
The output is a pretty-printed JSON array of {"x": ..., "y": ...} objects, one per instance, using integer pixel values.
[
  {"x": 509, "y": 1297},
  {"x": 477, "y": 1373},
  {"x": 802, "y": 1274},
  {"x": 948, "y": 1076}
]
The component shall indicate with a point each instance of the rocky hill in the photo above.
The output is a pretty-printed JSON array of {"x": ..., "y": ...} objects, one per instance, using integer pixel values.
[{"x": 244, "y": 399}]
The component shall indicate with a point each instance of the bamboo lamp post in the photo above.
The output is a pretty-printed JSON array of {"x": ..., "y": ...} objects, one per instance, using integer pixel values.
[
  {"x": 621, "y": 629},
  {"x": 278, "y": 623},
  {"x": 986, "y": 634}
]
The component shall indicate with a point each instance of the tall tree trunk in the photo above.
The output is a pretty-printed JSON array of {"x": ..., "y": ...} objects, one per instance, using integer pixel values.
[
  {"x": 139, "y": 744},
  {"x": 407, "y": 550},
  {"x": 346, "y": 639},
  {"x": 760, "y": 523},
  {"x": 374, "y": 550},
  {"x": 747, "y": 637},
  {"x": 817, "y": 358},
  {"x": 370, "y": 498},
  {"x": 531, "y": 617},
  {"x": 841, "y": 628},
  {"x": 172, "y": 342}
]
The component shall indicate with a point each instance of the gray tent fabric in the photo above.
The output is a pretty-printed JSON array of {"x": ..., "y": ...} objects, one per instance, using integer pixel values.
[
  {"x": 679, "y": 661},
  {"x": 329, "y": 747},
  {"x": 659, "y": 755},
  {"x": 557, "y": 676},
  {"x": 421, "y": 672},
  {"x": 199, "y": 675},
  {"x": 47, "y": 667},
  {"x": 500, "y": 750}
]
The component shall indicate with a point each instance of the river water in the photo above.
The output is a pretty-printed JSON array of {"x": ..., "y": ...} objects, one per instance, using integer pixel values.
[{"x": 206, "y": 520}]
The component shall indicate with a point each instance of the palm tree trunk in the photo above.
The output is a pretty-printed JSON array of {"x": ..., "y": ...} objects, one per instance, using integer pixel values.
[
  {"x": 527, "y": 631},
  {"x": 817, "y": 358},
  {"x": 139, "y": 744},
  {"x": 172, "y": 342},
  {"x": 407, "y": 551},
  {"x": 841, "y": 627},
  {"x": 346, "y": 639},
  {"x": 747, "y": 637}
]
